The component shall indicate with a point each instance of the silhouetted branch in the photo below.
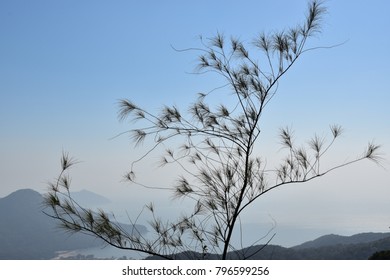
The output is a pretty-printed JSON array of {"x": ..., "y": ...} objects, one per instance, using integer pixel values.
[{"x": 219, "y": 175}]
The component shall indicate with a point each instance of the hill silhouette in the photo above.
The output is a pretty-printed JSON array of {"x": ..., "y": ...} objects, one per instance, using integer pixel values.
[
  {"x": 329, "y": 247},
  {"x": 27, "y": 233},
  {"x": 334, "y": 239}
]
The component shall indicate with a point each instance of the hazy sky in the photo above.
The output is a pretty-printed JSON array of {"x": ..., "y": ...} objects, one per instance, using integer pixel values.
[{"x": 65, "y": 64}]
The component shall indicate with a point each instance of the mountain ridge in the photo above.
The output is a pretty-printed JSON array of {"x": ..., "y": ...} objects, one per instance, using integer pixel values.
[
  {"x": 353, "y": 251},
  {"x": 27, "y": 233},
  {"x": 335, "y": 239}
]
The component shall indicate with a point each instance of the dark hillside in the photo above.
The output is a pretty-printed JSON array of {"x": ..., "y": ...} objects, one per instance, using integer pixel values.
[
  {"x": 27, "y": 233},
  {"x": 349, "y": 250},
  {"x": 333, "y": 239}
]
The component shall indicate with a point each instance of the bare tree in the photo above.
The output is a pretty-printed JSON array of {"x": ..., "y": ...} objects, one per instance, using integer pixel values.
[{"x": 221, "y": 175}]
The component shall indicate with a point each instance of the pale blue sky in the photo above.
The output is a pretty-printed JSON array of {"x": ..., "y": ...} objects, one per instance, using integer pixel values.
[{"x": 65, "y": 64}]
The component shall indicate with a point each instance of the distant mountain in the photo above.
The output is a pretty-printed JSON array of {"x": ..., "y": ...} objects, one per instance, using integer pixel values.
[
  {"x": 89, "y": 199},
  {"x": 349, "y": 249},
  {"x": 333, "y": 239},
  {"x": 329, "y": 247},
  {"x": 27, "y": 233}
]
